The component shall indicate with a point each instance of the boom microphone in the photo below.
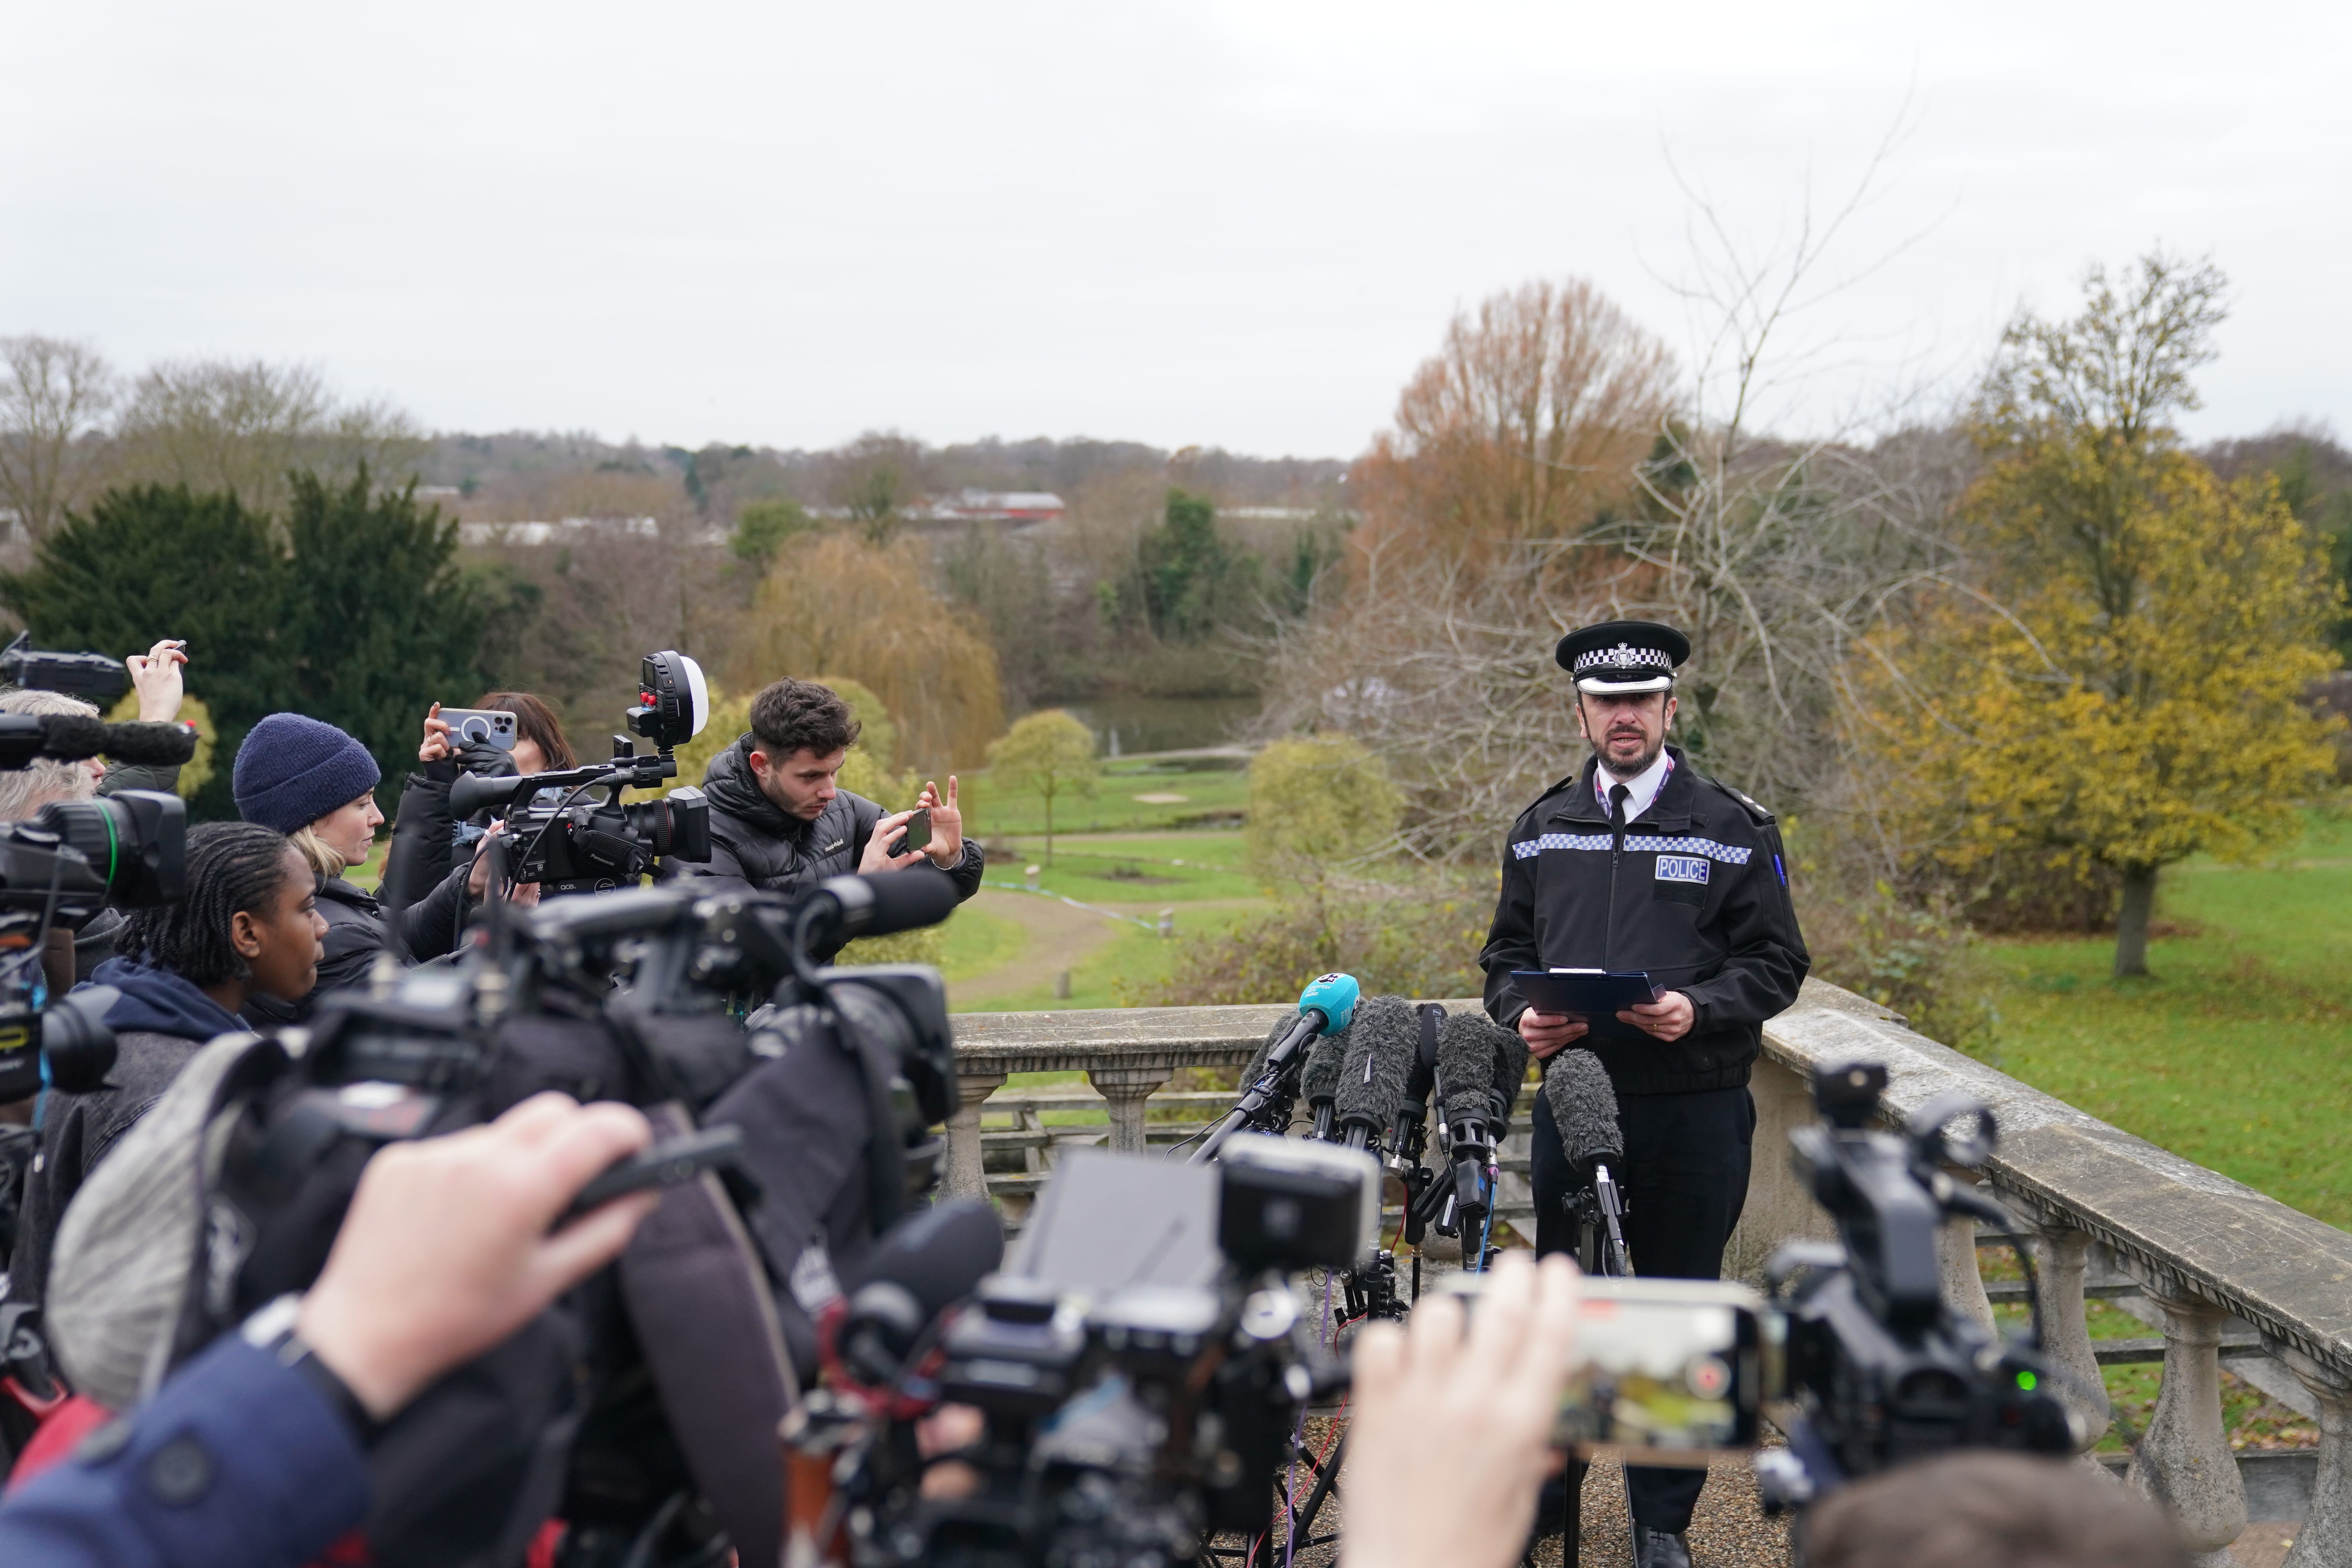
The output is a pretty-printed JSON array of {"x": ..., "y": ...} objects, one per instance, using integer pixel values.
[
  {"x": 1510, "y": 1072},
  {"x": 1584, "y": 1109},
  {"x": 889, "y": 902},
  {"x": 71, "y": 737},
  {"x": 1378, "y": 1063}
]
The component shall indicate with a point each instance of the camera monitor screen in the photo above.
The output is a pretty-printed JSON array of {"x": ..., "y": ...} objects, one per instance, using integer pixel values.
[{"x": 1107, "y": 1221}]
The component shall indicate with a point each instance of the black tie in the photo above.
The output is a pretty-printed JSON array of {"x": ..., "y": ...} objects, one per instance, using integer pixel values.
[{"x": 1617, "y": 794}]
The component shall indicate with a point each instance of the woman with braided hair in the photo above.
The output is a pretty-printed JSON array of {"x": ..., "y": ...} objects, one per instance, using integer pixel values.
[{"x": 249, "y": 928}]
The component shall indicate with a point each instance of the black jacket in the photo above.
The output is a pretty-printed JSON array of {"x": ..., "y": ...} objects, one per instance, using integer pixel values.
[
  {"x": 756, "y": 843},
  {"x": 355, "y": 933},
  {"x": 1713, "y": 923},
  {"x": 160, "y": 1021}
]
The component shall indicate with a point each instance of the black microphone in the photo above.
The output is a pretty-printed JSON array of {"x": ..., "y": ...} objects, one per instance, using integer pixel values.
[
  {"x": 1320, "y": 1082},
  {"x": 1511, "y": 1074},
  {"x": 1412, "y": 1105},
  {"x": 889, "y": 902},
  {"x": 1375, "y": 1068},
  {"x": 1584, "y": 1109},
  {"x": 1471, "y": 1052},
  {"x": 71, "y": 737},
  {"x": 924, "y": 1266}
]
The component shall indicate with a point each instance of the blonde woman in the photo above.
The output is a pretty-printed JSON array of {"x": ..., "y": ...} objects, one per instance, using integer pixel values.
[{"x": 317, "y": 786}]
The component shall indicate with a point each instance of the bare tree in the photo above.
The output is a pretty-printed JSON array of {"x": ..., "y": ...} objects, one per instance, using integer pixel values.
[
  {"x": 221, "y": 425},
  {"x": 53, "y": 405},
  {"x": 1530, "y": 417}
]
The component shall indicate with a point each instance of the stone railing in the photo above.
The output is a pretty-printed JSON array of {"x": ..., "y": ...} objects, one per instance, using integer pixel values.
[{"x": 2206, "y": 1253}]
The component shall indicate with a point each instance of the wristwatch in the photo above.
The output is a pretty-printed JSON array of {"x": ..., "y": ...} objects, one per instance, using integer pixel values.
[{"x": 272, "y": 1329}]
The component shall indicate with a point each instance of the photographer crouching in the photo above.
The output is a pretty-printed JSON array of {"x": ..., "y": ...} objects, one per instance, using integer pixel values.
[{"x": 781, "y": 822}]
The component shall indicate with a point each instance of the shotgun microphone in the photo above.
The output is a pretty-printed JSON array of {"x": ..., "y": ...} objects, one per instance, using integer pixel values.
[{"x": 1325, "y": 1008}]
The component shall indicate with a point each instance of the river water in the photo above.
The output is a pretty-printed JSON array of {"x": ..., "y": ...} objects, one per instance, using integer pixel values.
[{"x": 1126, "y": 725}]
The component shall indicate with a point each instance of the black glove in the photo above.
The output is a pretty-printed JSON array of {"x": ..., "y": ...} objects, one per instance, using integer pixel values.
[{"x": 485, "y": 761}]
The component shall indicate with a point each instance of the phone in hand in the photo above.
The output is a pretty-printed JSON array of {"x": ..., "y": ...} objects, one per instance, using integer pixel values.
[
  {"x": 918, "y": 835},
  {"x": 480, "y": 726},
  {"x": 666, "y": 1164}
]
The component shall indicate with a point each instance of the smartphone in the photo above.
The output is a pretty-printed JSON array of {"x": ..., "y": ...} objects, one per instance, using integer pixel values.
[
  {"x": 918, "y": 835},
  {"x": 1667, "y": 1371},
  {"x": 473, "y": 726},
  {"x": 666, "y": 1164}
]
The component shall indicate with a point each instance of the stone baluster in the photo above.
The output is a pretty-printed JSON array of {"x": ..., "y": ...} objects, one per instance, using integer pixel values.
[
  {"x": 2061, "y": 1262},
  {"x": 1964, "y": 1289},
  {"x": 967, "y": 1173},
  {"x": 2324, "y": 1537},
  {"x": 1127, "y": 1087},
  {"x": 2184, "y": 1460}
]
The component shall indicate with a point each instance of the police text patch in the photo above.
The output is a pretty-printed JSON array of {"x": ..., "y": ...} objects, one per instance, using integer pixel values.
[{"x": 1683, "y": 868}]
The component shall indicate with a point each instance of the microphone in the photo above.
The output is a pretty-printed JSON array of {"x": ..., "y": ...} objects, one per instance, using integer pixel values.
[
  {"x": 1470, "y": 1059},
  {"x": 1412, "y": 1105},
  {"x": 888, "y": 903},
  {"x": 71, "y": 737},
  {"x": 1584, "y": 1109},
  {"x": 1325, "y": 1008},
  {"x": 1374, "y": 1072},
  {"x": 924, "y": 1266},
  {"x": 1510, "y": 1073}
]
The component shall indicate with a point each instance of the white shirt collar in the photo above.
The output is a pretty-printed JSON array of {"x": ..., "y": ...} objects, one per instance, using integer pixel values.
[{"x": 1643, "y": 787}]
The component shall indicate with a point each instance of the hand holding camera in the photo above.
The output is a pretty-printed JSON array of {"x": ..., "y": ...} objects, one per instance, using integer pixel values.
[{"x": 155, "y": 676}]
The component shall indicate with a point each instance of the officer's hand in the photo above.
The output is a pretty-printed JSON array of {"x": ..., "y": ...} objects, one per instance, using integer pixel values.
[
  {"x": 448, "y": 1249},
  {"x": 1667, "y": 1018},
  {"x": 877, "y": 855},
  {"x": 1548, "y": 1034},
  {"x": 1449, "y": 1444}
]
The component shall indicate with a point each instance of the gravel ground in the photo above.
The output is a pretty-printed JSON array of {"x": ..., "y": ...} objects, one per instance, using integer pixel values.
[{"x": 1728, "y": 1531}]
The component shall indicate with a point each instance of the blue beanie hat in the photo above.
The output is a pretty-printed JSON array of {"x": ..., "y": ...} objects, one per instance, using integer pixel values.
[{"x": 293, "y": 771}]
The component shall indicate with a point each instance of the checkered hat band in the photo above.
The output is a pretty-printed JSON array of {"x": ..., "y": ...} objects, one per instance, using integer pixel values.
[{"x": 1625, "y": 656}]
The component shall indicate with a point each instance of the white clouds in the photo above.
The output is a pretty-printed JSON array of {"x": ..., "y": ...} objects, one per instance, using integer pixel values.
[{"x": 1234, "y": 223}]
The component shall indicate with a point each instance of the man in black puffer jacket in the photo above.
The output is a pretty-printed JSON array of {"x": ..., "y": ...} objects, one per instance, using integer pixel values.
[{"x": 780, "y": 820}]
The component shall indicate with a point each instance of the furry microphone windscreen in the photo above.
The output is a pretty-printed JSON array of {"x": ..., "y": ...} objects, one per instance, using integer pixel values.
[
  {"x": 1321, "y": 1080},
  {"x": 1510, "y": 1068},
  {"x": 1380, "y": 1045},
  {"x": 1265, "y": 1049},
  {"x": 1584, "y": 1109},
  {"x": 1466, "y": 1067}
]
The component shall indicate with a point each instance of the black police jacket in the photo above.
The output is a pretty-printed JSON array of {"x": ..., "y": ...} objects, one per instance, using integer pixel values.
[
  {"x": 1694, "y": 890},
  {"x": 756, "y": 843}
]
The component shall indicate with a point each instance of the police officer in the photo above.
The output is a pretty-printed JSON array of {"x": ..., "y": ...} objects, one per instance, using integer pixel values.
[{"x": 1639, "y": 862}]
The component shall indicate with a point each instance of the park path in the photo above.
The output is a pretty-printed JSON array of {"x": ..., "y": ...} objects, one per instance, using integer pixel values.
[{"x": 1059, "y": 936}]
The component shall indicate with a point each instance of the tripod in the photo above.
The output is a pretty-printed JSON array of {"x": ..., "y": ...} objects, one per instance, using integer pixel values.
[{"x": 1599, "y": 1209}]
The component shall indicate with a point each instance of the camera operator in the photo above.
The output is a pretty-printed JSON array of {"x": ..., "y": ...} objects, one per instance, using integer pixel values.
[
  {"x": 421, "y": 864},
  {"x": 249, "y": 928},
  {"x": 155, "y": 677},
  {"x": 780, "y": 820},
  {"x": 1637, "y": 862},
  {"x": 255, "y": 1453}
]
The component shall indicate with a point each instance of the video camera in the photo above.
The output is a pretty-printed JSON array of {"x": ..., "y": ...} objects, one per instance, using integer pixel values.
[
  {"x": 1137, "y": 1367},
  {"x": 568, "y": 844},
  {"x": 608, "y": 1411},
  {"x": 26, "y": 737},
  {"x": 1881, "y": 1370},
  {"x": 74, "y": 858}
]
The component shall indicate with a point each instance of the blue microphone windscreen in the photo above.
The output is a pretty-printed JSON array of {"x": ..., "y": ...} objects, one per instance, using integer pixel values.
[{"x": 1334, "y": 996}]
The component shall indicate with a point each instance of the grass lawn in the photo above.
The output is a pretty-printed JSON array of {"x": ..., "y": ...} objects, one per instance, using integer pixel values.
[
  {"x": 2237, "y": 1051},
  {"x": 1145, "y": 868},
  {"x": 1132, "y": 957},
  {"x": 1179, "y": 794},
  {"x": 974, "y": 941}
]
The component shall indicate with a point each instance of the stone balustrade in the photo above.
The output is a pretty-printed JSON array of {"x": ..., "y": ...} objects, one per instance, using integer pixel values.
[{"x": 2207, "y": 1252}]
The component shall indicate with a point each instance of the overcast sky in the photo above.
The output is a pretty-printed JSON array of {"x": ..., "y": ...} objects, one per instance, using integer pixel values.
[{"x": 1233, "y": 224}]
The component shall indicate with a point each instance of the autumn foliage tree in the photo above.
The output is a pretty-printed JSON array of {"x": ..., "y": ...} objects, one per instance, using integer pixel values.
[
  {"x": 2126, "y": 687},
  {"x": 1530, "y": 417},
  {"x": 835, "y": 600}
]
